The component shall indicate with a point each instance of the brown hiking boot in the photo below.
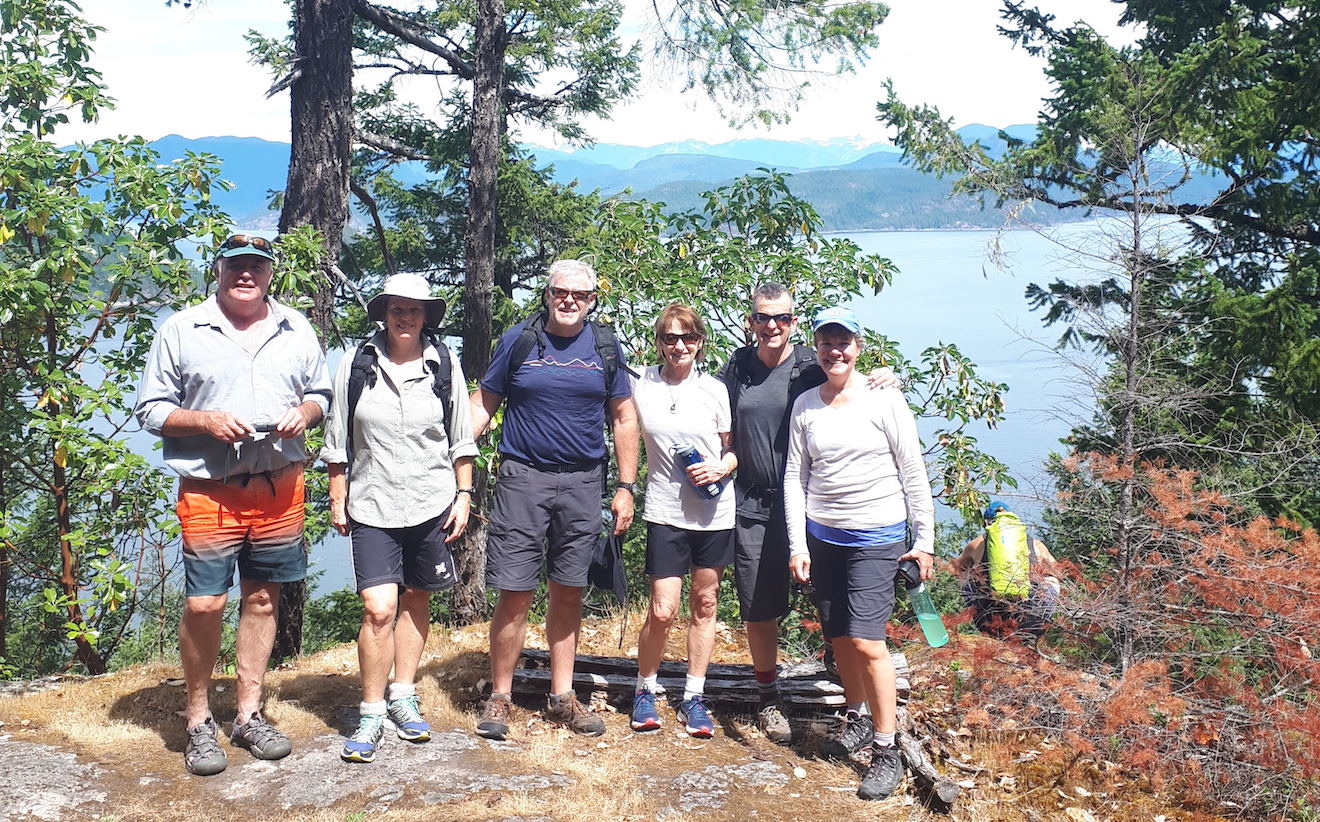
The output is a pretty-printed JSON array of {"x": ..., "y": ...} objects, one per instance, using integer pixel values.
[
  {"x": 494, "y": 722},
  {"x": 564, "y": 709},
  {"x": 772, "y": 722}
]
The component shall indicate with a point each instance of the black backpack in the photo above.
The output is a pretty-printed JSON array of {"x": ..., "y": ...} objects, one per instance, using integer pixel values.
[
  {"x": 533, "y": 336},
  {"x": 363, "y": 374},
  {"x": 739, "y": 374}
]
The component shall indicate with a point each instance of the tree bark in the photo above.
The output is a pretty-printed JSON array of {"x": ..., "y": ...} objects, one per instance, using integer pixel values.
[
  {"x": 479, "y": 241},
  {"x": 316, "y": 194},
  {"x": 4, "y": 566}
]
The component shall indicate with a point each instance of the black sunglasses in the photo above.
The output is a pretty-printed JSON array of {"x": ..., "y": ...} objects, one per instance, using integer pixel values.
[
  {"x": 764, "y": 319},
  {"x": 246, "y": 240},
  {"x": 691, "y": 338},
  {"x": 578, "y": 296}
]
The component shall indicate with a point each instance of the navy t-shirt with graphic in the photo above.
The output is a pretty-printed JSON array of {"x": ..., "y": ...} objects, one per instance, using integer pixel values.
[{"x": 555, "y": 403}]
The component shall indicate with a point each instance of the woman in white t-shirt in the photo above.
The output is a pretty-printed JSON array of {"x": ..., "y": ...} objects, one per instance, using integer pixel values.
[
  {"x": 854, "y": 484},
  {"x": 689, "y": 520}
]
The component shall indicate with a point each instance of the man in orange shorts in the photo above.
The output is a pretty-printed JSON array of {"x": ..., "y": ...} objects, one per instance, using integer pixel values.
[{"x": 230, "y": 386}]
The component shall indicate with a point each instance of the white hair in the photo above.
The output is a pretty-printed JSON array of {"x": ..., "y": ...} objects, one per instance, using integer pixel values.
[{"x": 569, "y": 268}]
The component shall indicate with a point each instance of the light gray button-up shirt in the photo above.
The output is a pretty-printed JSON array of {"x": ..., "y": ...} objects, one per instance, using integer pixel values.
[
  {"x": 403, "y": 458},
  {"x": 198, "y": 362}
]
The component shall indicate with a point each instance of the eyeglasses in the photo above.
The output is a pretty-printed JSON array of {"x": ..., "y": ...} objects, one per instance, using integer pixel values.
[
  {"x": 690, "y": 338},
  {"x": 764, "y": 319},
  {"x": 578, "y": 296},
  {"x": 244, "y": 240}
]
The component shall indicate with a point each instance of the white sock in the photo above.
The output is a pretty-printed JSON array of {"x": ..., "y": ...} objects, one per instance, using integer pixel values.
[
  {"x": 883, "y": 740},
  {"x": 372, "y": 708},
  {"x": 650, "y": 684},
  {"x": 695, "y": 686},
  {"x": 398, "y": 690}
]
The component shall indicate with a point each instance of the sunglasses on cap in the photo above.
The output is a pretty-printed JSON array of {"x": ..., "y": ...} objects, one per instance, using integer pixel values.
[
  {"x": 691, "y": 338},
  {"x": 245, "y": 241},
  {"x": 762, "y": 318}
]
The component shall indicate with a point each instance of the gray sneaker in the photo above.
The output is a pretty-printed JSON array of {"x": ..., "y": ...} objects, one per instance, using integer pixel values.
[
  {"x": 851, "y": 733},
  {"x": 202, "y": 754},
  {"x": 564, "y": 709},
  {"x": 773, "y": 723},
  {"x": 263, "y": 739},
  {"x": 884, "y": 774}
]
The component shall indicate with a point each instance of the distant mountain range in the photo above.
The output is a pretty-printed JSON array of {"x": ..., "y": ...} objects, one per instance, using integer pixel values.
[{"x": 853, "y": 184}]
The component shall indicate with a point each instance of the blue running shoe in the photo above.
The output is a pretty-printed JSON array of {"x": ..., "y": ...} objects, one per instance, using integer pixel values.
[
  {"x": 697, "y": 716},
  {"x": 644, "y": 715},
  {"x": 406, "y": 715},
  {"x": 363, "y": 744}
]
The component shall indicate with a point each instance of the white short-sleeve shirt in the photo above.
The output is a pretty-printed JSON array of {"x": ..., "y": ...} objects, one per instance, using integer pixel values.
[{"x": 693, "y": 413}]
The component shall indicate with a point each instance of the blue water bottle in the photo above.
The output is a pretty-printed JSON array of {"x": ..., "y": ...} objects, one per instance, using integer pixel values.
[{"x": 691, "y": 456}]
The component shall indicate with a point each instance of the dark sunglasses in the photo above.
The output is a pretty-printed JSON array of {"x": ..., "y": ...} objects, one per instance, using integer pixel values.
[
  {"x": 578, "y": 296},
  {"x": 764, "y": 319},
  {"x": 691, "y": 338},
  {"x": 245, "y": 240}
]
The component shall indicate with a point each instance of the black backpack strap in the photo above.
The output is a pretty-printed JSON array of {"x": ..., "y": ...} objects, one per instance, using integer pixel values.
[
  {"x": 442, "y": 372},
  {"x": 607, "y": 348},
  {"x": 531, "y": 336},
  {"x": 361, "y": 374}
]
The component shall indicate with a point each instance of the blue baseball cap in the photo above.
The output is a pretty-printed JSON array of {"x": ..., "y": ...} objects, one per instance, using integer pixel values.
[
  {"x": 837, "y": 315},
  {"x": 994, "y": 508},
  {"x": 238, "y": 245}
]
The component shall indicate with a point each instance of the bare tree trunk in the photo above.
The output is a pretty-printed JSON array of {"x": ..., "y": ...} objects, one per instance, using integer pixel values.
[
  {"x": 469, "y": 594},
  {"x": 4, "y": 567},
  {"x": 321, "y": 108}
]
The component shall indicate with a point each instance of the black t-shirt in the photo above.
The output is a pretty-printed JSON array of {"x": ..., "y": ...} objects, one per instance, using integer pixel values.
[{"x": 761, "y": 399}]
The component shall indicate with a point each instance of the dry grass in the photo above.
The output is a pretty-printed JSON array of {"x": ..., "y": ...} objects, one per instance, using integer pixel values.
[{"x": 128, "y": 723}]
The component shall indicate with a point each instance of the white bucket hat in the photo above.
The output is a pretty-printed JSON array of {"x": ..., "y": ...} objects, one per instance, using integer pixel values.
[{"x": 412, "y": 286}]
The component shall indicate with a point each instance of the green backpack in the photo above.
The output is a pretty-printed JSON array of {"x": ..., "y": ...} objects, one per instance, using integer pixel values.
[{"x": 1008, "y": 557}]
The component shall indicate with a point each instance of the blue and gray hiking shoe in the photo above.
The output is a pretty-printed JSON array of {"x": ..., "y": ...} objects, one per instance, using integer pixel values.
[
  {"x": 644, "y": 715},
  {"x": 407, "y": 718},
  {"x": 365, "y": 741},
  {"x": 696, "y": 715}
]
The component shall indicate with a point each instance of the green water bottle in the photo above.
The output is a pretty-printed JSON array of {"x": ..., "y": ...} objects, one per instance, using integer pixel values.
[{"x": 927, "y": 617}]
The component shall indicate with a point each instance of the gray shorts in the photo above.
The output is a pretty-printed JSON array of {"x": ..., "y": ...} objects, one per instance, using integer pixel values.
[
  {"x": 854, "y": 587},
  {"x": 760, "y": 560},
  {"x": 415, "y": 556},
  {"x": 543, "y": 514}
]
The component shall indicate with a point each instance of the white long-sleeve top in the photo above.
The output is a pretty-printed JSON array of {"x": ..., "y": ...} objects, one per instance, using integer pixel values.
[{"x": 857, "y": 465}]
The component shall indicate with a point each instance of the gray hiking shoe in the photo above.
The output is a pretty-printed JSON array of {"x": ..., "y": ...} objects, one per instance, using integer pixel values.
[
  {"x": 772, "y": 722},
  {"x": 884, "y": 774},
  {"x": 564, "y": 709},
  {"x": 263, "y": 739},
  {"x": 202, "y": 754},
  {"x": 494, "y": 722},
  {"x": 852, "y": 732}
]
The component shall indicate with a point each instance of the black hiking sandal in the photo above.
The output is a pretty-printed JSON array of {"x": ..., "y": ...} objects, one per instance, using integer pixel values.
[
  {"x": 202, "y": 754},
  {"x": 263, "y": 739}
]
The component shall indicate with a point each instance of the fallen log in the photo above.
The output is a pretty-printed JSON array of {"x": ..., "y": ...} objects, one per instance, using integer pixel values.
[
  {"x": 914, "y": 754},
  {"x": 728, "y": 692}
]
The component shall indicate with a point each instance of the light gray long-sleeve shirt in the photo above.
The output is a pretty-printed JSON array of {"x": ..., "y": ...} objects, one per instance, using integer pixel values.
[
  {"x": 402, "y": 472},
  {"x": 856, "y": 466},
  {"x": 199, "y": 362}
]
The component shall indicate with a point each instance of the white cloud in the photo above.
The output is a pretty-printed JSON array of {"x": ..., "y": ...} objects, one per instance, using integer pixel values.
[{"x": 185, "y": 71}]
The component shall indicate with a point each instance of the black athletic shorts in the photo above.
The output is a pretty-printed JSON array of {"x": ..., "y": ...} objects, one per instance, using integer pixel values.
[
  {"x": 760, "y": 568},
  {"x": 854, "y": 586},
  {"x": 551, "y": 516},
  {"x": 673, "y": 551},
  {"x": 415, "y": 556}
]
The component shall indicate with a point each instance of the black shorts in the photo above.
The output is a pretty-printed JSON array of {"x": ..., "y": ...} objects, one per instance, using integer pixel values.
[
  {"x": 543, "y": 516},
  {"x": 673, "y": 551},
  {"x": 854, "y": 586},
  {"x": 415, "y": 556},
  {"x": 760, "y": 569}
]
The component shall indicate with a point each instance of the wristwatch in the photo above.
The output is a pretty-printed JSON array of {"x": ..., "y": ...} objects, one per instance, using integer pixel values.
[
  {"x": 471, "y": 492},
  {"x": 630, "y": 487}
]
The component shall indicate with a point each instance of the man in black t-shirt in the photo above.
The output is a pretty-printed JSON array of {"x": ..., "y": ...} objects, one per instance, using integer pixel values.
[{"x": 763, "y": 381}]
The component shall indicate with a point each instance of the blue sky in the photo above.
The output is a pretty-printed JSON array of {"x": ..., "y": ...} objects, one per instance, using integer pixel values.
[{"x": 185, "y": 71}]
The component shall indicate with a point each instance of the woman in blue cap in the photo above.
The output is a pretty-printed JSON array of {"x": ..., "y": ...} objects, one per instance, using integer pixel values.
[{"x": 855, "y": 482}]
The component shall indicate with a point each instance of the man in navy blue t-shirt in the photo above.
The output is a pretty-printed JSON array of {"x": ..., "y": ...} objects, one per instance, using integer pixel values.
[{"x": 548, "y": 491}]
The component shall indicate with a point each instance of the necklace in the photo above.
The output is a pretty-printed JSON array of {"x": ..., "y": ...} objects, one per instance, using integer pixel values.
[{"x": 673, "y": 398}]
